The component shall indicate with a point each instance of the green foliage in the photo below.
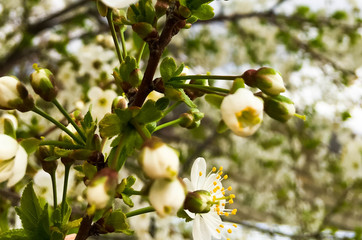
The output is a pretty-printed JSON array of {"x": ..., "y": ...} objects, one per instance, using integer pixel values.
[
  {"x": 15, "y": 234},
  {"x": 35, "y": 219},
  {"x": 110, "y": 125}
]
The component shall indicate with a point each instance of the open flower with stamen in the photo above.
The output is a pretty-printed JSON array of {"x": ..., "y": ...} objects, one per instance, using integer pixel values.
[{"x": 206, "y": 201}]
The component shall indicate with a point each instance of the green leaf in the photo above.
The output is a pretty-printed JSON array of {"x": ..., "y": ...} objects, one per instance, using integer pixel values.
[
  {"x": 127, "y": 200},
  {"x": 148, "y": 113},
  {"x": 179, "y": 70},
  {"x": 168, "y": 68},
  {"x": 117, "y": 221},
  {"x": 130, "y": 181},
  {"x": 34, "y": 219},
  {"x": 110, "y": 125},
  {"x": 214, "y": 99},
  {"x": 204, "y": 12},
  {"x": 30, "y": 144},
  {"x": 89, "y": 170},
  {"x": 87, "y": 122},
  {"x": 56, "y": 235},
  {"x": 162, "y": 103},
  {"x": 15, "y": 234},
  {"x": 221, "y": 127}
]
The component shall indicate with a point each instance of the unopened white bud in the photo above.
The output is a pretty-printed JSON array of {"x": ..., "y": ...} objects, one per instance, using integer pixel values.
[{"x": 167, "y": 196}]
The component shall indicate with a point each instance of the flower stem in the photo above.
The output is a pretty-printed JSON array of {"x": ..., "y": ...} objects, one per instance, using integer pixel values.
[
  {"x": 67, "y": 116},
  {"x": 139, "y": 57},
  {"x": 173, "y": 106},
  {"x": 140, "y": 211},
  {"x": 170, "y": 123},
  {"x": 54, "y": 185},
  {"x": 123, "y": 42},
  {"x": 217, "y": 77},
  {"x": 206, "y": 89},
  {"x": 143, "y": 132},
  {"x": 64, "y": 199},
  {"x": 114, "y": 35},
  {"x": 60, "y": 144},
  {"x": 58, "y": 124}
]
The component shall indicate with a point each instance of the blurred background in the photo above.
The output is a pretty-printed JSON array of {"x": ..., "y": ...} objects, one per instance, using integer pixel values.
[{"x": 299, "y": 180}]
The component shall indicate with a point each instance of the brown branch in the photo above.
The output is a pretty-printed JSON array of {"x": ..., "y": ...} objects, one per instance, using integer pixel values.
[
  {"x": 84, "y": 228},
  {"x": 173, "y": 24}
]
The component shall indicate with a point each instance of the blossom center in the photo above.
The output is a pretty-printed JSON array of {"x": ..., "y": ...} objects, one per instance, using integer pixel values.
[{"x": 247, "y": 117}]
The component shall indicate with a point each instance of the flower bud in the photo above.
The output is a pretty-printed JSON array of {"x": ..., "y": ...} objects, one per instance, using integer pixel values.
[
  {"x": 161, "y": 7},
  {"x": 279, "y": 108},
  {"x": 42, "y": 81},
  {"x": 145, "y": 30},
  {"x": 119, "y": 103},
  {"x": 242, "y": 112},
  {"x": 199, "y": 201},
  {"x": 158, "y": 160},
  {"x": 167, "y": 196},
  {"x": 102, "y": 187},
  {"x": 194, "y": 93},
  {"x": 43, "y": 154},
  {"x": 268, "y": 80},
  {"x": 135, "y": 77},
  {"x": 14, "y": 95}
]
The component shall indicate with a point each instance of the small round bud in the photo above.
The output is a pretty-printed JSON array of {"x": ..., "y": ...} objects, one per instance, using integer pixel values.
[
  {"x": 119, "y": 103},
  {"x": 199, "y": 201},
  {"x": 43, "y": 154},
  {"x": 268, "y": 80},
  {"x": 279, "y": 108},
  {"x": 14, "y": 95},
  {"x": 42, "y": 81},
  {"x": 102, "y": 187},
  {"x": 145, "y": 30},
  {"x": 161, "y": 7},
  {"x": 187, "y": 119},
  {"x": 158, "y": 160},
  {"x": 167, "y": 196},
  {"x": 135, "y": 77}
]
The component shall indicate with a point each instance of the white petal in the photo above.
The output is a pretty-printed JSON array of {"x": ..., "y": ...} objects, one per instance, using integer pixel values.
[
  {"x": 118, "y": 3},
  {"x": 209, "y": 182},
  {"x": 212, "y": 221},
  {"x": 94, "y": 93},
  {"x": 5, "y": 170},
  {"x": 8, "y": 147},
  {"x": 191, "y": 214},
  {"x": 188, "y": 184},
  {"x": 19, "y": 168},
  {"x": 199, "y": 229},
  {"x": 198, "y": 168}
]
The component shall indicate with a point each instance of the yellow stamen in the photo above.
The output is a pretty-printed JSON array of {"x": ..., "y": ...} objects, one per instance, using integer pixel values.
[
  {"x": 218, "y": 176},
  {"x": 214, "y": 169},
  {"x": 200, "y": 174},
  {"x": 222, "y": 189},
  {"x": 229, "y": 230},
  {"x": 231, "y": 201},
  {"x": 226, "y": 177},
  {"x": 235, "y": 226},
  {"x": 221, "y": 168},
  {"x": 217, "y": 230},
  {"x": 226, "y": 214},
  {"x": 230, "y": 188},
  {"x": 215, "y": 183},
  {"x": 232, "y": 196},
  {"x": 222, "y": 226},
  {"x": 233, "y": 212}
]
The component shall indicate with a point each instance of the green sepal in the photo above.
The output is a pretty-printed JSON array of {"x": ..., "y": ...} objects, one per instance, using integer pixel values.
[
  {"x": 56, "y": 234},
  {"x": 237, "y": 84},
  {"x": 9, "y": 128},
  {"x": 110, "y": 125},
  {"x": 89, "y": 170},
  {"x": 102, "y": 9},
  {"x": 30, "y": 144},
  {"x": 87, "y": 121},
  {"x": 117, "y": 222},
  {"x": 127, "y": 200},
  {"x": 179, "y": 95},
  {"x": 182, "y": 214},
  {"x": 221, "y": 127},
  {"x": 214, "y": 100}
]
